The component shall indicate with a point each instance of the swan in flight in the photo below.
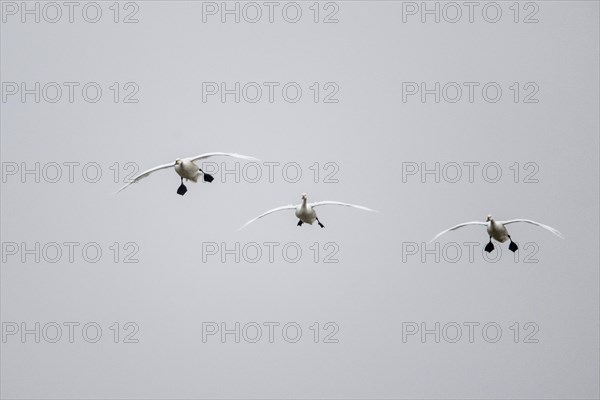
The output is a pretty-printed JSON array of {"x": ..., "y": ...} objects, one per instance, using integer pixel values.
[
  {"x": 187, "y": 168},
  {"x": 305, "y": 211},
  {"x": 498, "y": 231}
]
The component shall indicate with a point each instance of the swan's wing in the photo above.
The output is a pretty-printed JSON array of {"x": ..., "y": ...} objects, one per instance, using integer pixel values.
[
  {"x": 546, "y": 227},
  {"x": 339, "y": 203},
  {"x": 235, "y": 155},
  {"x": 146, "y": 173},
  {"x": 458, "y": 226},
  {"x": 290, "y": 207}
]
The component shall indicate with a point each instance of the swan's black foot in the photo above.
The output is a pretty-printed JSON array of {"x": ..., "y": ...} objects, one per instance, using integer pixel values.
[
  {"x": 513, "y": 246},
  {"x": 208, "y": 178},
  {"x": 300, "y": 223},
  {"x": 181, "y": 190},
  {"x": 489, "y": 247},
  {"x": 320, "y": 224}
]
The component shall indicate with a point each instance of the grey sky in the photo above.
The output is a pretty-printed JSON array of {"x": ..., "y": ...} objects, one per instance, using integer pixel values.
[{"x": 367, "y": 135}]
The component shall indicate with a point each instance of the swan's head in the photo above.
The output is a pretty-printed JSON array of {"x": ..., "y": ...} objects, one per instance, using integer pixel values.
[
  {"x": 304, "y": 196},
  {"x": 489, "y": 217},
  {"x": 178, "y": 161}
]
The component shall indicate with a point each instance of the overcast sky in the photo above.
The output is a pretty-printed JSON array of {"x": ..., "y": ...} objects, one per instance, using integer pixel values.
[{"x": 359, "y": 122}]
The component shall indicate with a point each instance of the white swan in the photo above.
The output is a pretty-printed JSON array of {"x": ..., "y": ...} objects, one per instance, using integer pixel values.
[
  {"x": 498, "y": 231},
  {"x": 187, "y": 168},
  {"x": 305, "y": 211}
]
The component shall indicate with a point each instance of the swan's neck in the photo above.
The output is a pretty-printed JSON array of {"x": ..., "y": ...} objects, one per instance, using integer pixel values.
[{"x": 303, "y": 203}]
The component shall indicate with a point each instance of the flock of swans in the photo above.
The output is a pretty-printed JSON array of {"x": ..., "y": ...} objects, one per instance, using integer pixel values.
[{"x": 187, "y": 169}]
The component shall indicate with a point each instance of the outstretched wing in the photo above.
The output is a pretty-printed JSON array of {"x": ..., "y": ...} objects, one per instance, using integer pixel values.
[
  {"x": 458, "y": 226},
  {"x": 146, "y": 173},
  {"x": 546, "y": 227},
  {"x": 290, "y": 207},
  {"x": 235, "y": 155},
  {"x": 339, "y": 203}
]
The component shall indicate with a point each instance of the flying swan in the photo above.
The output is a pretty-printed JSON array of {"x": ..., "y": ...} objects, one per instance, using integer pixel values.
[
  {"x": 305, "y": 211},
  {"x": 498, "y": 231},
  {"x": 187, "y": 168}
]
